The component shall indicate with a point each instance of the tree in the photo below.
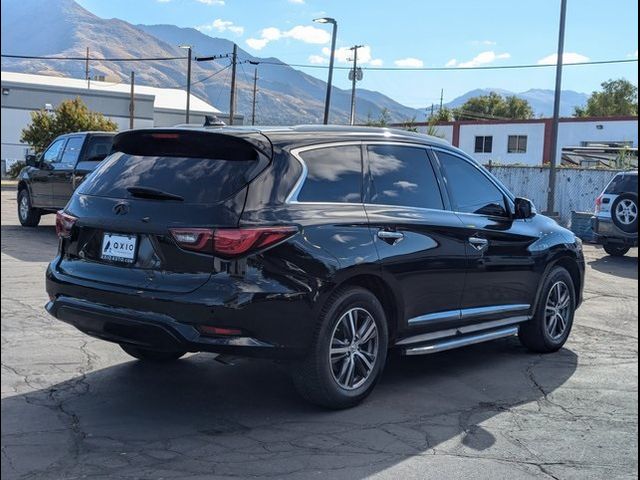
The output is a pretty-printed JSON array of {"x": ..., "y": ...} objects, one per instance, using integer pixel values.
[
  {"x": 70, "y": 116},
  {"x": 494, "y": 105},
  {"x": 618, "y": 97},
  {"x": 383, "y": 120},
  {"x": 443, "y": 114}
]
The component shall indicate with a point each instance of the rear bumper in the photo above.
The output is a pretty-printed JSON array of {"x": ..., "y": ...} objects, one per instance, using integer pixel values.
[
  {"x": 605, "y": 232},
  {"x": 170, "y": 322}
]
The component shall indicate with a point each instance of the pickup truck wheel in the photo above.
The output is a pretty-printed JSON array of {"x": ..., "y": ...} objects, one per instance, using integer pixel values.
[
  {"x": 616, "y": 251},
  {"x": 28, "y": 216},
  {"x": 151, "y": 355}
]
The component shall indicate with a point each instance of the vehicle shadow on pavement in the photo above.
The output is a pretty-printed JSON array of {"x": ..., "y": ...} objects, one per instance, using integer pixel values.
[
  {"x": 196, "y": 417},
  {"x": 27, "y": 244},
  {"x": 625, "y": 267}
]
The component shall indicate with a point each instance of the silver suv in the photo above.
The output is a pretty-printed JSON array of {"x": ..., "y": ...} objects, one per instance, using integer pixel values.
[{"x": 615, "y": 222}]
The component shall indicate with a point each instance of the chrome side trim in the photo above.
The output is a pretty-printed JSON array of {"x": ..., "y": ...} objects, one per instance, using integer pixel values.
[
  {"x": 452, "y": 332},
  {"x": 466, "y": 313},
  {"x": 480, "y": 311},
  {"x": 450, "y": 344},
  {"x": 431, "y": 317}
]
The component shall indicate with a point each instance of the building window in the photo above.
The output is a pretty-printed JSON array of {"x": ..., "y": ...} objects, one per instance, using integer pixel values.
[
  {"x": 517, "y": 144},
  {"x": 484, "y": 144}
]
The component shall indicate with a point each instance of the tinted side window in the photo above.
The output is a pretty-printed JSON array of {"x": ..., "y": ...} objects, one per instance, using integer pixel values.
[
  {"x": 98, "y": 148},
  {"x": 52, "y": 153},
  {"x": 402, "y": 176},
  {"x": 470, "y": 189},
  {"x": 334, "y": 174},
  {"x": 623, "y": 184},
  {"x": 72, "y": 151}
]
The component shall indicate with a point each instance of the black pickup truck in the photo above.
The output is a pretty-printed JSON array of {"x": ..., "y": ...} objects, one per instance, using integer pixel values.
[{"x": 47, "y": 182}]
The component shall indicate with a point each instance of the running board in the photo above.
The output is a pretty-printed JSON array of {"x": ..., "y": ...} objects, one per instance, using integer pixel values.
[{"x": 461, "y": 341}]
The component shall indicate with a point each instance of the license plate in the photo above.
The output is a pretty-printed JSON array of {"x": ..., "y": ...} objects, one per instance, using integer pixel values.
[{"x": 119, "y": 248}]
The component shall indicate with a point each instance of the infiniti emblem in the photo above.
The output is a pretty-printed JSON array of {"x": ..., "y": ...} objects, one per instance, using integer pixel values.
[{"x": 121, "y": 208}]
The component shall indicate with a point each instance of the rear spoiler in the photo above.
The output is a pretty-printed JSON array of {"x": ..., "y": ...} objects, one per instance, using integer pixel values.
[{"x": 176, "y": 142}]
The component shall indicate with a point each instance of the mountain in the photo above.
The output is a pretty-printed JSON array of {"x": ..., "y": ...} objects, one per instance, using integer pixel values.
[
  {"x": 541, "y": 101},
  {"x": 285, "y": 95}
]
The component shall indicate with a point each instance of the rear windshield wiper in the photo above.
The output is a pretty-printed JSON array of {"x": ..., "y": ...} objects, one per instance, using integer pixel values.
[{"x": 148, "y": 192}]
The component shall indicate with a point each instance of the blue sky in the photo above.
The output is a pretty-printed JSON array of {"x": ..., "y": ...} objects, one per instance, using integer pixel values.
[{"x": 414, "y": 33}]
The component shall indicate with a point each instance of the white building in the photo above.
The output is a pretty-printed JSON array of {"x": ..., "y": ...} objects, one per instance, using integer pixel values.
[
  {"x": 528, "y": 142},
  {"x": 161, "y": 107}
]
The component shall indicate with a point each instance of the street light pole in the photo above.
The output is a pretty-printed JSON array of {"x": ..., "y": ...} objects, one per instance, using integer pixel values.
[
  {"x": 352, "y": 117},
  {"x": 327, "y": 100},
  {"x": 188, "y": 47},
  {"x": 551, "y": 197}
]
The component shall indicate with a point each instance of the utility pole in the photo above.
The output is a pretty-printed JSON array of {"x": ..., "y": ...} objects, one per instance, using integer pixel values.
[
  {"x": 232, "y": 97},
  {"x": 352, "y": 117},
  {"x": 86, "y": 69},
  {"x": 327, "y": 100},
  {"x": 255, "y": 91},
  {"x": 432, "y": 110},
  {"x": 441, "y": 97},
  {"x": 551, "y": 197},
  {"x": 131, "y": 100},
  {"x": 188, "y": 84}
]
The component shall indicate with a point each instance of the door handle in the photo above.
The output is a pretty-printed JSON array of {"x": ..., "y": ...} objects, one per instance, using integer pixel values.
[
  {"x": 390, "y": 236},
  {"x": 480, "y": 244}
]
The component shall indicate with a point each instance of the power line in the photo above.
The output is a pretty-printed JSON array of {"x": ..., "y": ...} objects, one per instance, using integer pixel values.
[
  {"x": 144, "y": 59},
  {"x": 204, "y": 79},
  {"x": 437, "y": 69}
]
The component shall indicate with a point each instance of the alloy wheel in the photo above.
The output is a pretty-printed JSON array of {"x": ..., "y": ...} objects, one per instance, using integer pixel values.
[
  {"x": 24, "y": 206},
  {"x": 557, "y": 310},
  {"x": 354, "y": 348},
  {"x": 627, "y": 212}
]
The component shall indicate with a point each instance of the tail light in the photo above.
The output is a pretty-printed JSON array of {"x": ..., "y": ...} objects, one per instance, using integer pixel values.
[
  {"x": 64, "y": 224},
  {"x": 219, "y": 331},
  {"x": 231, "y": 242},
  {"x": 598, "y": 204}
]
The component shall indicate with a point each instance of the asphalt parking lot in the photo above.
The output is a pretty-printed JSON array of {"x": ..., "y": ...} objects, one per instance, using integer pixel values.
[{"x": 75, "y": 407}]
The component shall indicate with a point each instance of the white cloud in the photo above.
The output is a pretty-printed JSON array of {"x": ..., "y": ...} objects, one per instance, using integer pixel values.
[
  {"x": 483, "y": 58},
  {"x": 218, "y": 3},
  {"x": 409, "y": 62},
  {"x": 568, "y": 57},
  {"x": 345, "y": 55},
  {"x": 302, "y": 33},
  {"x": 221, "y": 26},
  {"x": 298, "y": 2},
  {"x": 163, "y": 1},
  {"x": 318, "y": 59},
  {"x": 633, "y": 55}
]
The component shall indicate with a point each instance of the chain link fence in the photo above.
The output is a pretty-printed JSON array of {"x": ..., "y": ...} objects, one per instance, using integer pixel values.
[{"x": 576, "y": 188}]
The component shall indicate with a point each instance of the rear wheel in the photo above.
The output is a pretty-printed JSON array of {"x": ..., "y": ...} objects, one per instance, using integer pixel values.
[
  {"x": 146, "y": 354},
  {"x": 624, "y": 212},
  {"x": 348, "y": 353},
  {"x": 616, "y": 251},
  {"x": 28, "y": 216},
  {"x": 549, "y": 329}
]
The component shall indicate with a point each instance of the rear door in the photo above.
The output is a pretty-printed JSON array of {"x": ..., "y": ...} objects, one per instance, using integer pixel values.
[
  {"x": 41, "y": 177},
  {"x": 418, "y": 239},
  {"x": 156, "y": 182},
  {"x": 502, "y": 278},
  {"x": 61, "y": 173}
]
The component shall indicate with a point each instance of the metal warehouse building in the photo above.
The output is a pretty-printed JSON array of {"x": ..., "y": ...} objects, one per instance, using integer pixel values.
[{"x": 161, "y": 107}]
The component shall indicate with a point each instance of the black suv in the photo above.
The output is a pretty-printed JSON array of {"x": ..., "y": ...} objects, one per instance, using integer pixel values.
[
  {"x": 320, "y": 246},
  {"x": 46, "y": 184}
]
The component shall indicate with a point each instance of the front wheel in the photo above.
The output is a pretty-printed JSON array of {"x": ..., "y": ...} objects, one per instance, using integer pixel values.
[
  {"x": 616, "y": 251},
  {"x": 152, "y": 355},
  {"x": 28, "y": 216},
  {"x": 348, "y": 352},
  {"x": 549, "y": 328}
]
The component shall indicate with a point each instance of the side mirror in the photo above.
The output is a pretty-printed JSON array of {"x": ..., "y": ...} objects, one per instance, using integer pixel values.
[
  {"x": 31, "y": 160},
  {"x": 524, "y": 208}
]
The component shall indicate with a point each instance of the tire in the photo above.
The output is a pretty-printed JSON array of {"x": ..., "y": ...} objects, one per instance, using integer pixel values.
[
  {"x": 539, "y": 334},
  {"x": 147, "y": 355},
  {"x": 624, "y": 212},
  {"x": 616, "y": 251},
  {"x": 325, "y": 382},
  {"x": 28, "y": 216}
]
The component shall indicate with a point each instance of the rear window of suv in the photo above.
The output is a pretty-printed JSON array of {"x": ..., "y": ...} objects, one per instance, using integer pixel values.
[
  {"x": 623, "y": 184},
  {"x": 197, "y": 180}
]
